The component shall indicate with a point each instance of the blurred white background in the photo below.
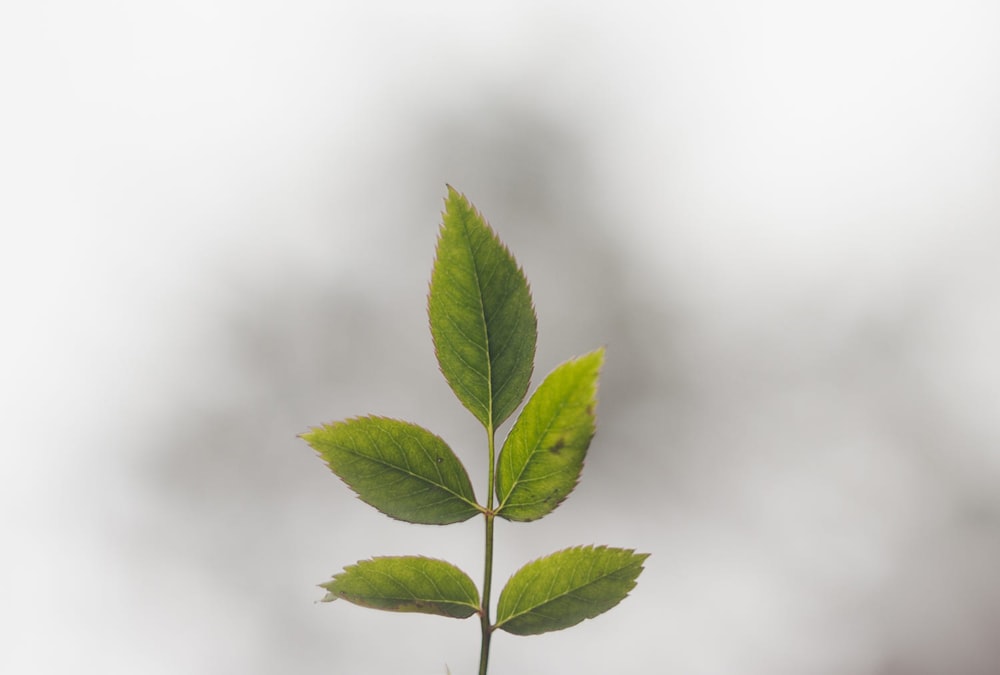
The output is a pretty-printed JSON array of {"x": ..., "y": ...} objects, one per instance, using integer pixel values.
[{"x": 218, "y": 222}]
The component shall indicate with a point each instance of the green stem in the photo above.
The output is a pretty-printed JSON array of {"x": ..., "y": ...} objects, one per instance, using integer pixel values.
[{"x": 484, "y": 615}]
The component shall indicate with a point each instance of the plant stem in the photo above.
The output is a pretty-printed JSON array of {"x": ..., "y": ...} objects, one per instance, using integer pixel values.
[{"x": 487, "y": 631}]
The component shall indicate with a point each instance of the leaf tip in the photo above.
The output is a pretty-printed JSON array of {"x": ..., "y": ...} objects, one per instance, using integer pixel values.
[
  {"x": 454, "y": 196},
  {"x": 330, "y": 595}
]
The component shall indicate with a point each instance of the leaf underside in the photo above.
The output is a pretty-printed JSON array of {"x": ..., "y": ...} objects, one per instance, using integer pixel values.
[
  {"x": 401, "y": 469},
  {"x": 406, "y": 584},
  {"x": 542, "y": 458},
  {"x": 563, "y": 589},
  {"x": 481, "y": 317}
]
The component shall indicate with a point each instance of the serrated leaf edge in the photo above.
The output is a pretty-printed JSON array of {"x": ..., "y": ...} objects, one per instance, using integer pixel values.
[
  {"x": 331, "y": 597},
  {"x": 638, "y": 559},
  {"x": 493, "y": 391},
  {"x": 504, "y": 500},
  {"x": 474, "y": 504}
]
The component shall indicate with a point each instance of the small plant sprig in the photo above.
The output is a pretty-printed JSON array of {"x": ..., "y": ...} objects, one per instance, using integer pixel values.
[{"x": 484, "y": 329}]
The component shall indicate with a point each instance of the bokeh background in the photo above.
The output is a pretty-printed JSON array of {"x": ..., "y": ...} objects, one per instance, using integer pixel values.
[{"x": 781, "y": 218}]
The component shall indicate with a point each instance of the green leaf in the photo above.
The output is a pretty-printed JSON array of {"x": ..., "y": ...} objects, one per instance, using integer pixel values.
[
  {"x": 482, "y": 320},
  {"x": 541, "y": 459},
  {"x": 563, "y": 589},
  {"x": 401, "y": 469},
  {"x": 406, "y": 584}
]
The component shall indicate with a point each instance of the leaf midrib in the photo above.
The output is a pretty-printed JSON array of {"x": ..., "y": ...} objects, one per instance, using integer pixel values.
[
  {"x": 406, "y": 471},
  {"x": 412, "y": 596},
  {"x": 566, "y": 593},
  {"x": 534, "y": 450},
  {"x": 482, "y": 315}
]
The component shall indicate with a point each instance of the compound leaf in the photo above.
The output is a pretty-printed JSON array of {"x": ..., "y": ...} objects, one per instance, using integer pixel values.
[
  {"x": 401, "y": 469},
  {"x": 563, "y": 589},
  {"x": 542, "y": 458},
  {"x": 406, "y": 584},
  {"x": 481, "y": 317}
]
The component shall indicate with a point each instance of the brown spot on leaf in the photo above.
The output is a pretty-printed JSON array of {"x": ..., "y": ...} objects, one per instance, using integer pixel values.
[{"x": 558, "y": 445}]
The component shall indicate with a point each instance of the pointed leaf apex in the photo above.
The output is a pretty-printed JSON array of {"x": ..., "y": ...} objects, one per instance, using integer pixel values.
[
  {"x": 481, "y": 316},
  {"x": 563, "y": 589},
  {"x": 406, "y": 584},
  {"x": 401, "y": 469},
  {"x": 542, "y": 458}
]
